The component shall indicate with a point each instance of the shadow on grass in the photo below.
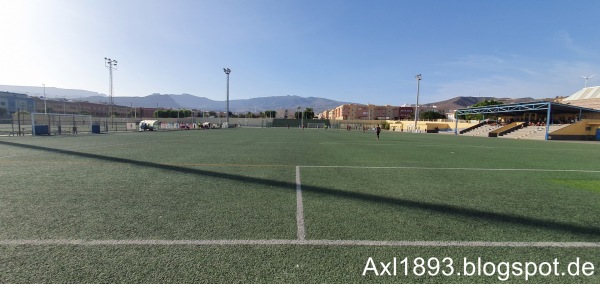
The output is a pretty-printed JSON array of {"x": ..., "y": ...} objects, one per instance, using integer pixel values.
[{"x": 421, "y": 205}]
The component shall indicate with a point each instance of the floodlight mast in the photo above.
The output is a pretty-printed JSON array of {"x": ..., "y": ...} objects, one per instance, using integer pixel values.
[
  {"x": 586, "y": 79},
  {"x": 111, "y": 64},
  {"x": 227, "y": 71},
  {"x": 45, "y": 108},
  {"x": 418, "y": 77}
]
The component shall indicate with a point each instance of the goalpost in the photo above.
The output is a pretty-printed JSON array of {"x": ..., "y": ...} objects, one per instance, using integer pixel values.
[
  {"x": 319, "y": 125},
  {"x": 60, "y": 124}
]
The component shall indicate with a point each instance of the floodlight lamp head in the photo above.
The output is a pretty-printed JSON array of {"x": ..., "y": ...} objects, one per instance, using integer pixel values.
[{"x": 418, "y": 77}]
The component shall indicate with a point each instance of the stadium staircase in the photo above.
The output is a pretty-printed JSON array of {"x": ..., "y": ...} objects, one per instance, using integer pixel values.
[
  {"x": 471, "y": 128},
  {"x": 506, "y": 129},
  {"x": 534, "y": 132},
  {"x": 482, "y": 131},
  {"x": 516, "y": 132}
]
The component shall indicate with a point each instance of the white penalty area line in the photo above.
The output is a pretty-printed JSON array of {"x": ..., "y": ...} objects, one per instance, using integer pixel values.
[
  {"x": 299, "y": 208},
  {"x": 456, "y": 169},
  {"x": 349, "y": 243}
]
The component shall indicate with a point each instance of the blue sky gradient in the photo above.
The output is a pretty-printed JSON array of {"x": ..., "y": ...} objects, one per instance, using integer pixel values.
[{"x": 358, "y": 51}]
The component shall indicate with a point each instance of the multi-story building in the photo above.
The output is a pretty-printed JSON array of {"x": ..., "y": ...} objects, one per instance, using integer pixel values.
[
  {"x": 65, "y": 106},
  {"x": 405, "y": 112},
  {"x": 369, "y": 112},
  {"x": 326, "y": 114},
  {"x": 13, "y": 102}
]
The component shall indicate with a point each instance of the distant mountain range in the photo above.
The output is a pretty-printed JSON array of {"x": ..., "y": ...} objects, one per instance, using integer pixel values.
[
  {"x": 51, "y": 92},
  {"x": 183, "y": 100},
  {"x": 244, "y": 105},
  {"x": 463, "y": 102}
]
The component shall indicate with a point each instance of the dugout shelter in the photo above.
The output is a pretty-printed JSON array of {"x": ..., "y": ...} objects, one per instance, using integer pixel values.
[{"x": 151, "y": 125}]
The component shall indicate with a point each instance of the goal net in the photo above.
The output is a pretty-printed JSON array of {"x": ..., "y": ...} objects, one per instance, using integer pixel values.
[
  {"x": 60, "y": 124},
  {"x": 319, "y": 125}
]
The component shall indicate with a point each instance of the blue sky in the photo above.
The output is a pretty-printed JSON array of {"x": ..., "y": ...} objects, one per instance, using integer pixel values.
[{"x": 358, "y": 51}]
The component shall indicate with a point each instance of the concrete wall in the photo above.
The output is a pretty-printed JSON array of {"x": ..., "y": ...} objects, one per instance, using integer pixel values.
[
  {"x": 585, "y": 130},
  {"x": 442, "y": 125}
]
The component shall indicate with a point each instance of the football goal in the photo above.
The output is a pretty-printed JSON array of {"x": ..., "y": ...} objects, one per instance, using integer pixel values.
[
  {"x": 318, "y": 125},
  {"x": 60, "y": 124}
]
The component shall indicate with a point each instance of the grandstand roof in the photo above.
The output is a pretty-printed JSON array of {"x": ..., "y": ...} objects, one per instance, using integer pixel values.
[
  {"x": 532, "y": 107},
  {"x": 584, "y": 94},
  {"x": 541, "y": 107}
]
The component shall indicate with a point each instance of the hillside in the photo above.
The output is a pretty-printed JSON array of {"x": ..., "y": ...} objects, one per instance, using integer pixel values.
[
  {"x": 182, "y": 100},
  {"x": 241, "y": 105},
  {"x": 463, "y": 102},
  {"x": 51, "y": 92}
]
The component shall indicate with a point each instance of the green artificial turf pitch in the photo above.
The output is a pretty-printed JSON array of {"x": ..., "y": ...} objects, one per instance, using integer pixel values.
[{"x": 240, "y": 184}]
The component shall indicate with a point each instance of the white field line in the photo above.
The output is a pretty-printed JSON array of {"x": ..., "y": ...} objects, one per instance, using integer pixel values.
[
  {"x": 276, "y": 242},
  {"x": 457, "y": 169},
  {"x": 299, "y": 207}
]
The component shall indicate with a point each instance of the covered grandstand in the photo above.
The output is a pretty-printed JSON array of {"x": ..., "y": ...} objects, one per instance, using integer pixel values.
[{"x": 580, "y": 123}]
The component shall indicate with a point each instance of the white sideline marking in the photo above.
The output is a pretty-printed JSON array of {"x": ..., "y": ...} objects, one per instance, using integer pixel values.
[
  {"x": 299, "y": 207},
  {"x": 351, "y": 243},
  {"x": 456, "y": 169}
]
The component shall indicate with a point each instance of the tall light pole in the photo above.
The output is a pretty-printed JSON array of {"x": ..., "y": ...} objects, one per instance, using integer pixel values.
[
  {"x": 586, "y": 79},
  {"x": 111, "y": 64},
  {"x": 418, "y": 77},
  {"x": 227, "y": 71},
  {"x": 45, "y": 108}
]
